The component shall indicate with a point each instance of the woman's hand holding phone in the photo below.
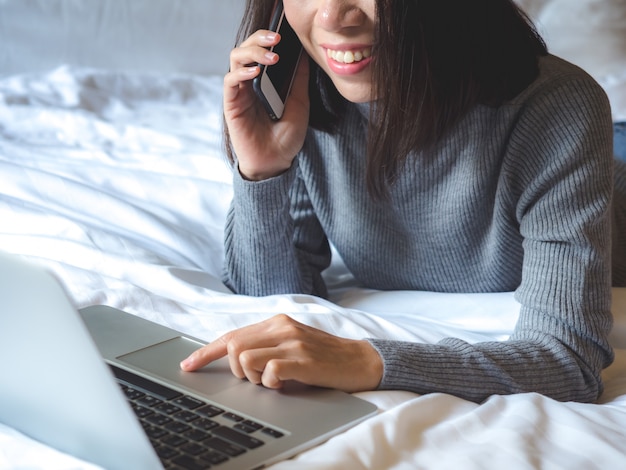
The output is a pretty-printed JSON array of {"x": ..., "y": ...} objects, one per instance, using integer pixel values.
[{"x": 264, "y": 147}]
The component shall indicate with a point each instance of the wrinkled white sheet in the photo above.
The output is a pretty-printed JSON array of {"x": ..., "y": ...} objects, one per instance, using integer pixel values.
[{"x": 117, "y": 182}]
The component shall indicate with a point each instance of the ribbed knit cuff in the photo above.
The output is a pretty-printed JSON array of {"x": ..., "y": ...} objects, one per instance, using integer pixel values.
[{"x": 266, "y": 198}]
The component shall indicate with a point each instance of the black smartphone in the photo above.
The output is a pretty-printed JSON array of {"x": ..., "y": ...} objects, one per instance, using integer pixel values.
[{"x": 273, "y": 84}]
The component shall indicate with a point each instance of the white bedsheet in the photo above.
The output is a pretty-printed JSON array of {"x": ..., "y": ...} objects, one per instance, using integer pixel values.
[{"x": 117, "y": 182}]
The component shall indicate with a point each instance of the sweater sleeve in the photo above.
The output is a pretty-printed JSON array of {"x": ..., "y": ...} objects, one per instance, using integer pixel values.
[
  {"x": 558, "y": 171},
  {"x": 274, "y": 244}
]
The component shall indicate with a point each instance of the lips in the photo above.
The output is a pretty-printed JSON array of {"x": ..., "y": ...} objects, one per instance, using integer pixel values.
[{"x": 348, "y": 60}]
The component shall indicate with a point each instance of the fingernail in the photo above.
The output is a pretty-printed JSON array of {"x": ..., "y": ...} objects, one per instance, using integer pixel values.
[
  {"x": 187, "y": 363},
  {"x": 270, "y": 36},
  {"x": 271, "y": 56}
]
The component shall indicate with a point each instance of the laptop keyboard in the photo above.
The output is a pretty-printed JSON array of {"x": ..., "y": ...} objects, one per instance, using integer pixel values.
[{"x": 188, "y": 433}]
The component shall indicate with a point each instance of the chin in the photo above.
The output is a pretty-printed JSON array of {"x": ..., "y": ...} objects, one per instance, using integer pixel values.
[{"x": 355, "y": 96}]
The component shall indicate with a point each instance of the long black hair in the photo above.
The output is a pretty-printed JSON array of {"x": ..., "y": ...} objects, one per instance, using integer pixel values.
[{"x": 433, "y": 61}]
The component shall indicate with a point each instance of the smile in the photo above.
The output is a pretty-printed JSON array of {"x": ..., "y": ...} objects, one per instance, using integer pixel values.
[{"x": 349, "y": 57}]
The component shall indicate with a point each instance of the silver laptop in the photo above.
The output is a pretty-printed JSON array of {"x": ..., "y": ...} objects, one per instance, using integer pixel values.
[{"x": 137, "y": 409}]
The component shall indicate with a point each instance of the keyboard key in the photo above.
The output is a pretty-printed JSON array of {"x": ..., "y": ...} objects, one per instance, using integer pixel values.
[
  {"x": 132, "y": 394},
  {"x": 232, "y": 416},
  {"x": 272, "y": 432},
  {"x": 214, "y": 457},
  {"x": 193, "y": 449},
  {"x": 237, "y": 437},
  {"x": 205, "y": 424},
  {"x": 252, "y": 424},
  {"x": 165, "y": 452},
  {"x": 189, "y": 403},
  {"x": 174, "y": 440},
  {"x": 141, "y": 411},
  {"x": 244, "y": 428},
  {"x": 177, "y": 427},
  {"x": 225, "y": 447},
  {"x": 167, "y": 408},
  {"x": 153, "y": 432},
  {"x": 158, "y": 419},
  {"x": 148, "y": 400},
  {"x": 209, "y": 411},
  {"x": 189, "y": 463},
  {"x": 186, "y": 416},
  {"x": 196, "y": 435}
]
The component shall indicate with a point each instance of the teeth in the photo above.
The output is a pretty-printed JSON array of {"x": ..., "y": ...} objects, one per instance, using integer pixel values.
[{"x": 349, "y": 57}]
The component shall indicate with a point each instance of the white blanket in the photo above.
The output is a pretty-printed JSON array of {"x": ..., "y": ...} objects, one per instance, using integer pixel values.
[{"x": 117, "y": 182}]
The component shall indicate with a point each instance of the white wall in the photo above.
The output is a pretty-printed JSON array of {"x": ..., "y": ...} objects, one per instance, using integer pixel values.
[{"x": 169, "y": 35}]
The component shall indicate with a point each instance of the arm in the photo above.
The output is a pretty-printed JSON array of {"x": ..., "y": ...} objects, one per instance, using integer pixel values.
[
  {"x": 560, "y": 183},
  {"x": 274, "y": 243},
  {"x": 272, "y": 246}
]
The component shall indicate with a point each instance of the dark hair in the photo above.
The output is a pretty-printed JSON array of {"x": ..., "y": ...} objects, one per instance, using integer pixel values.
[{"x": 434, "y": 61}]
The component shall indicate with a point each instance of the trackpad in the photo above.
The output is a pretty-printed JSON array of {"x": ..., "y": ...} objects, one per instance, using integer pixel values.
[{"x": 163, "y": 359}]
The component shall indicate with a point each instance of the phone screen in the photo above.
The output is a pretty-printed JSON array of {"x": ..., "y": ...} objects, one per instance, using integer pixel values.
[
  {"x": 274, "y": 83},
  {"x": 288, "y": 49}
]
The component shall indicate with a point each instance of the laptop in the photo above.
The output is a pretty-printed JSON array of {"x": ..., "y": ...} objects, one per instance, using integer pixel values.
[{"x": 136, "y": 408}]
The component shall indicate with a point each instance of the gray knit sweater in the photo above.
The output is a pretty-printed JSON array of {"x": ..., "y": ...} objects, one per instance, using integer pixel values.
[{"x": 518, "y": 198}]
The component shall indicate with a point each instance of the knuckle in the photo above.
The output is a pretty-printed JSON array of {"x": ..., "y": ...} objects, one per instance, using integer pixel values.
[
  {"x": 283, "y": 318},
  {"x": 233, "y": 347},
  {"x": 299, "y": 346},
  {"x": 287, "y": 325},
  {"x": 246, "y": 359},
  {"x": 271, "y": 374},
  {"x": 272, "y": 367}
]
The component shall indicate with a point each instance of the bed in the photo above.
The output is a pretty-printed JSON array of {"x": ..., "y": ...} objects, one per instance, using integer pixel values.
[{"x": 114, "y": 177}]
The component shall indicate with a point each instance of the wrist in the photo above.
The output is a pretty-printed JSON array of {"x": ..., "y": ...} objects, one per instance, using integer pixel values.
[
  {"x": 373, "y": 366},
  {"x": 260, "y": 175}
]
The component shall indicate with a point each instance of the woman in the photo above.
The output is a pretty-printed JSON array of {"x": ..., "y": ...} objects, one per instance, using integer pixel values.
[{"x": 456, "y": 156}]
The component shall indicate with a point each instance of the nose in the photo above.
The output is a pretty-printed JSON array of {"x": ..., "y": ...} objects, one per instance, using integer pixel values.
[{"x": 334, "y": 15}]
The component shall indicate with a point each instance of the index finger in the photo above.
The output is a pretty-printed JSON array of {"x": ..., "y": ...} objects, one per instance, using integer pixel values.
[
  {"x": 205, "y": 355},
  {"x": 262, "y": 37},
  {"x": 254, "y": 49}
]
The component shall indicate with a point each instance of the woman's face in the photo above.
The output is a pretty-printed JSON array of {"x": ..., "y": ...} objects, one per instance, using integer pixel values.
[{"x": 338, "y": 35}]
